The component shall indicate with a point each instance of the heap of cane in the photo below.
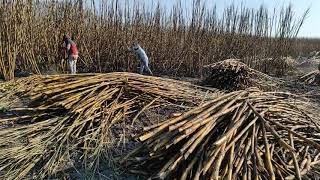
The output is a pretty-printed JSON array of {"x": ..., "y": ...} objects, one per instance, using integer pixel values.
[
  {"x": 312, "y": 78},
  {"x": 63, "y": 116},
  {"x": 242, "y": 134},
  {"x": 231, "y": 74},
  {"x": 60, "y": 120}
]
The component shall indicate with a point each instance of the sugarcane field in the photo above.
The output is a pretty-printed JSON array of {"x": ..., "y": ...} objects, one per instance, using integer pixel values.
[{"x": 136, "y": 90}]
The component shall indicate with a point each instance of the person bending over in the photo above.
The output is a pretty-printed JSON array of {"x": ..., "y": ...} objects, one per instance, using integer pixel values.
[
  {"x": 142, "y": 57},
  {"x": 72, "y": 52}
]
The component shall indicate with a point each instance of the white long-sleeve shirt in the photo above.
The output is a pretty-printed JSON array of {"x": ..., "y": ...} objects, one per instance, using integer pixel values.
[{"x": 140, "y": 53}]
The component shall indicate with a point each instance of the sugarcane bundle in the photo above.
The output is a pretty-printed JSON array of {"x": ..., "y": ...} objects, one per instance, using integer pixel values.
[
  {"x": 9, "y": 91},
  {"x": 243, "y": 134},
  {"x": 312, "y": 78},
  {"x": 65, "y": 118},
  {"x": 231, "y": 74}
]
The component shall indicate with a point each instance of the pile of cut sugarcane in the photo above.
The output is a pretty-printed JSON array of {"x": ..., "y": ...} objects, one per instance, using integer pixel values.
[
  {"x": 245, "y": 134},
  {"x": 9, "y": 91},
  {"x": 231, "y": 74},
  {"x": 65, "y": 120},
  {"x": 312, "y": 78},
  {"x": 57, "y": 122}
]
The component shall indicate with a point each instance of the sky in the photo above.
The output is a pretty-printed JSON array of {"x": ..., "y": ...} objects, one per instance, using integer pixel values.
[{"x": 311, "y": 27}]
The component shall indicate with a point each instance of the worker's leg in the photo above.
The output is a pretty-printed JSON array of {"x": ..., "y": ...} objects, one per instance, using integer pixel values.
[
  {"x": 75, "y": 65},
  {"x": 146, "y": 65},
  {"x": 70, "y": 60},
  {"x": 149, "y": 70},
  {"x": 141, "y": 68}
]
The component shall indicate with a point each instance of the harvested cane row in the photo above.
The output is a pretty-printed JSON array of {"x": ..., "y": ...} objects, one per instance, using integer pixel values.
[
  {"x": 243, "y": 134},
  {"x": 69, "y": 119},
  {"x": 231, "y": 74}
]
